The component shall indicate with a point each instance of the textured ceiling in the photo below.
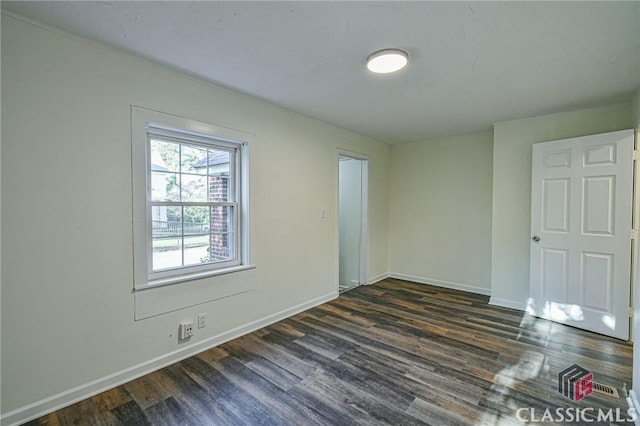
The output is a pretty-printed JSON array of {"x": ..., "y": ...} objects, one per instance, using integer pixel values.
[{"x": 471, "y": 63}]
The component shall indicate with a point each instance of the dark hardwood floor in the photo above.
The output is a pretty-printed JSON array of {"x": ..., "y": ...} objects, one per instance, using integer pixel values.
[{"x": 391, "y": 353}]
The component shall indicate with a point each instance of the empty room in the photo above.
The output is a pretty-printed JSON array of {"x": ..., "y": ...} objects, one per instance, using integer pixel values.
[{"x": 319, "y": 213}]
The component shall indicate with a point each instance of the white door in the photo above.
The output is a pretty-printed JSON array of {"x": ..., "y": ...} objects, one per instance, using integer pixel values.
[{"x": 581, "y": 209}]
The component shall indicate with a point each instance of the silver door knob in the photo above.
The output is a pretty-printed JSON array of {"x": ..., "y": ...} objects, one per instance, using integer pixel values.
[{"x": 535, "y": 238}]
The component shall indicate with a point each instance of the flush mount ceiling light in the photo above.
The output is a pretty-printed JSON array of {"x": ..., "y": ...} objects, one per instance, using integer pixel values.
[{"x": 387, "y": 60}]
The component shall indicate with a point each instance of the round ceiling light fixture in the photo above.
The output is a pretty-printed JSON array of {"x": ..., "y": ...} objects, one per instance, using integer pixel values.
[{"x": 387, "y": 60}]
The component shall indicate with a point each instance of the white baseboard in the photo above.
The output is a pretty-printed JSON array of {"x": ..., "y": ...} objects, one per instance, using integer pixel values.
[
  {"x": 506, "y": 303},
  {"x": 634, "y": 404},
  {"x": 378, "y": 278},
  {"x": 71, "y": 396},
  {"x": 440, "y": 283}
]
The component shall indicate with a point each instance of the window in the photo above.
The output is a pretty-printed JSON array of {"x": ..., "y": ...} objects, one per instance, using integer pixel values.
[{"x": 189, "y": 199}]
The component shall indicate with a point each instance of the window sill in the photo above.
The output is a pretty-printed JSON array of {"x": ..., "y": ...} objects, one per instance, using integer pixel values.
[
  {"x": 175, "y": 294},
  {"x": 193, "y": 276}
]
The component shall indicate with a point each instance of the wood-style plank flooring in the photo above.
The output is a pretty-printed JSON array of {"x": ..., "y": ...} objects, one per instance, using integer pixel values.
[{"x": 391, "y": 353}]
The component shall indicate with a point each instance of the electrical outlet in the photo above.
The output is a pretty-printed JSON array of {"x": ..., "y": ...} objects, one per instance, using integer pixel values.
[
  {"x": 202, "y": 320},
  {"x": 185, "y": 330}
]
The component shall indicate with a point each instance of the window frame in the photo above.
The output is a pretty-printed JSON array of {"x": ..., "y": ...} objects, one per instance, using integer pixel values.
[{"x": 146, "y": 124}]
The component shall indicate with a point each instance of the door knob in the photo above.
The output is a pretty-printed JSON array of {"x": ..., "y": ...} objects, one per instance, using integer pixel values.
[{"x": 535, "y": 238}]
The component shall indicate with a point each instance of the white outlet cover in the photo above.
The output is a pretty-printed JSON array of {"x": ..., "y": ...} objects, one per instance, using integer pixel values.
[
  {"x": 186, "y": 330},
  {"x": 202, "y": 320}
]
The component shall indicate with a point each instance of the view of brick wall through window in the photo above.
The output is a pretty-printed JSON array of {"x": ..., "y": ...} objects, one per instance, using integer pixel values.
[{"x": 219, "y": 232}]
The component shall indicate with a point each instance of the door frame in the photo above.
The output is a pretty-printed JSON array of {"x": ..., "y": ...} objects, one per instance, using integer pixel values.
[
  {"x": 634, "y": 303},
  {"x": 363, "y": 275}
]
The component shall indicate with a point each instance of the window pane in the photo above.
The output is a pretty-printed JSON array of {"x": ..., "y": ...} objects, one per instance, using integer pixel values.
[
  {"x": 218, "y": 162},
  {"x": 167, "y": 253},
  {"x": 194, "y": 188},
  {"x": 196, "y": 235},
  {"x": 221, "y": 238},
  {"x": 166, "y": 221},
  {"x": 165, "y": 156},
  {"x": 194, "y": 159},
  {"x": 196, "y": 250},
  {"x": 219, "y": 188},
  {"x": 165, "y": 186},
  {"x": 196, "y": 220},
  {"x": 166, "y": 237}
]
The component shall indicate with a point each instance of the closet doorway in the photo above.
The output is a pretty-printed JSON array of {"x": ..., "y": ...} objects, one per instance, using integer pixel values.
[{"x": 352, "y": 220}]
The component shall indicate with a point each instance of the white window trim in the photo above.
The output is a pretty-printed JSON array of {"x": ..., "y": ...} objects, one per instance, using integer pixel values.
[
  {"x": 144, "y": 279},
  {"x": 189, "y": 272}
]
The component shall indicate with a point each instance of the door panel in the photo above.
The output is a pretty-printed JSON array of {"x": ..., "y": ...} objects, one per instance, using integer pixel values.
[
  {"x": 598, "y": 206},
  {"x": 557, "y": 159},
  {"x": 600, "y": 155},
  {"x": 581, "y": 205},
  {"x": 555, "y": 269},
  {"x": 555, "y": 214},
  {"x": 597, "y": 281}
]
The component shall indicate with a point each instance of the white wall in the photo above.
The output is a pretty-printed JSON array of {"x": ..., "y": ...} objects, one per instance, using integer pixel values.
[
  {"x": 440, "y": 211},
  {"x": 512, "y": 188},
  {"x": 67, "y": 305}
]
